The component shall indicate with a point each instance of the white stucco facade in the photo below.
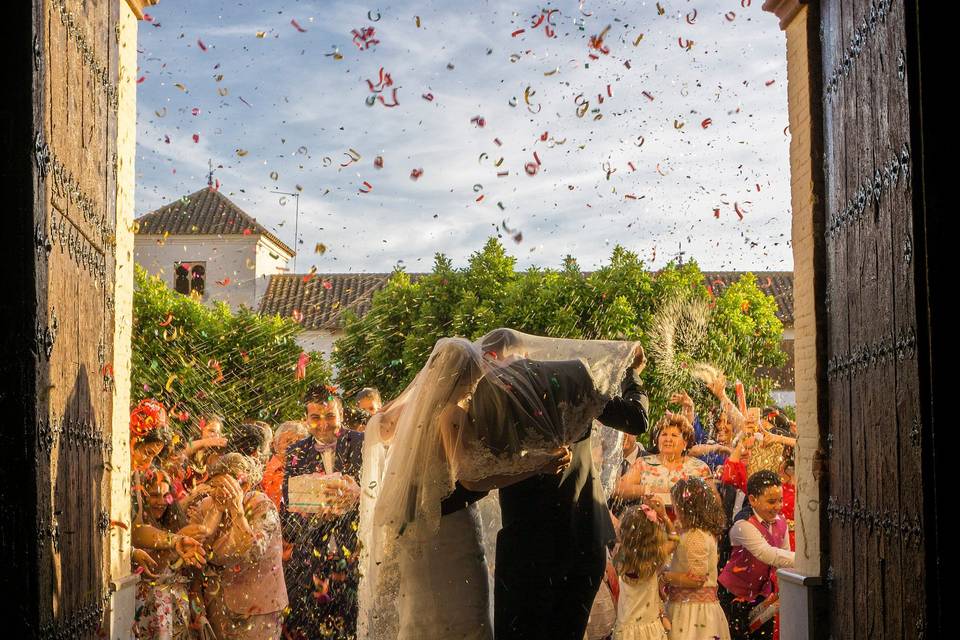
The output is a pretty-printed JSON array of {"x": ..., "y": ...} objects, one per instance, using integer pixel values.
[
  {"x": 321, "y": 340},
  {"x": 237, "y": 267}
]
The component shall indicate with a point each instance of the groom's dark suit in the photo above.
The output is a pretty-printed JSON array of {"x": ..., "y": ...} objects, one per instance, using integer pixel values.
[{"x": 551, "y": 551}]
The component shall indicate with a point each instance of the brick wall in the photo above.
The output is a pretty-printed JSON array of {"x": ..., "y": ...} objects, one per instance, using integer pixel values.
[{"x": 805, "y": 240}]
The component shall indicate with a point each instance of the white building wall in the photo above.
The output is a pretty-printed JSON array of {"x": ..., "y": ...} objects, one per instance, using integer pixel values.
[
  {"x": 233, "y": 257},
  {"x": 268, "y": 265},
  {"x": 319, "y": 340}
]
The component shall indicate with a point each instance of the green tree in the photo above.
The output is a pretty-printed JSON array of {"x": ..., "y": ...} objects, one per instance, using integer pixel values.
[
  {"x": 389, "y": 345},
  {"x": 198, "y": 359}
]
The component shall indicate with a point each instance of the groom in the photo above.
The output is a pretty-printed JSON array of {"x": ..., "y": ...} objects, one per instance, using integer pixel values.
[{"x": 551, "y": 552}]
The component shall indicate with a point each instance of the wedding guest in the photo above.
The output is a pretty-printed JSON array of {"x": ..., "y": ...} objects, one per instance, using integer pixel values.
[
  {"x": 640, "y": 555},
  {"x": 369, "y": 400},
  {"x": 245, "y": 545},
  {"x": 163, "y": 601},
  {"x": 692, "y": 575},
  {"x": 286, "y": 434},
  {"x": 322, "y": 573},
  {"x": 656, "y": 474},
  {"x": 252, "y": 439},
  {"x": 760, "y": 547},
  {"x": 211, "y": 441},
  {"x": 713, "y": 451},
  {"x": 632, "y": 449}
]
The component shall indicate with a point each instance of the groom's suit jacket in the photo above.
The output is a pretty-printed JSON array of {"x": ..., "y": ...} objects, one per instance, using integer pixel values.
[{"x": 562, "y": 520}]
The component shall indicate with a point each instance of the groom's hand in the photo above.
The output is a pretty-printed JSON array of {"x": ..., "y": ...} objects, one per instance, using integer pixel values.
[
  {"x": 559, "y": 461},
  {"x": 639, "y": 359}
]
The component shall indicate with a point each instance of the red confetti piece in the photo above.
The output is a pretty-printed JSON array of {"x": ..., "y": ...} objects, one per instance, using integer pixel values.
[
  {"x": 736, "y": 207},
  {"x": 648, "y": 96},
  {"x": 769, "y": 82},
  {"x": 543, "y": 136},
  {"x": 537, "y": 158},
  {"x": 326, "y": 283},
  {"x": 369, "y": 187},
  {"x": 395, "y": 100},
  {"x": 428, "y": 97},
  {"x": 692, "y": 17},
  {"x": 632, "y": 168},
  {"x": 517, "y": 32},
  {"x": 758, "y": 187},
  {"x": 415, "y": 174},
  {"x": 716, "y": 214},
  {"x": 685, "y": 44},
  {"x": 195, "y": 111},
  {"x": 141, "y": 79},
  {"x": 196, "y": 137},
  {"x": 296, "y": 25},
  {"x": 247, "y": 232},
  {"x": 502, "y": 174},
  {"x": 364, "y": 39},
  {"x": 166, "y": 323},
  {"x": 200, "y": 44},
  {"x": 596, "y": 42},
  {"x": 609, "y": 92},
  {"x": 730, "y": 16},
  {"x": 531, "y": 168},
  {"x": 744, "y": 3},
  {"x": 378, "y": 162},
  {"x": 497, "y": 142},
  {"x": 706, "y": 122},
  {"x": 479, "y": 121},
  {"x": 479, "y": 198},
  {"x": 630, "y": 196},
  {"x": 224, "y": 282}
]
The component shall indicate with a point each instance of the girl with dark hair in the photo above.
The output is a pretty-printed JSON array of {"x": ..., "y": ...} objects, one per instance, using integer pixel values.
[{"x": 692, "y": 576}]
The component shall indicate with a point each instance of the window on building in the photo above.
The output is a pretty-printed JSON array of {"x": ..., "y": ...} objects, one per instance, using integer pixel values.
[
  {"x": 198, "y": 275},
  {"x": 182, "y": 279},
  {"x": 190, "y": 277}
]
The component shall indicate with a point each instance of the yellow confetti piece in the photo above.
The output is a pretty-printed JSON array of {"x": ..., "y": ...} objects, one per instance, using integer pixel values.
[
  {"x": 242, "y": 152},
  {"x": 169, "y": 385},
  {"x": 261, "y": 34},
  {"x": 180, "y": 86}
]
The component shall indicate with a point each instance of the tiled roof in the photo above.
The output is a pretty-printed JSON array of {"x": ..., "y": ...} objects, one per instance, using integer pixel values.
[
  {"x": 206, "y": 212},
  {"x": 323, "y": 298}
]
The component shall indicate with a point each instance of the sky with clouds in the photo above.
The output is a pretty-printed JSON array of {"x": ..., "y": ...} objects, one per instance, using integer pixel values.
[{"x": 668, "y": 135}]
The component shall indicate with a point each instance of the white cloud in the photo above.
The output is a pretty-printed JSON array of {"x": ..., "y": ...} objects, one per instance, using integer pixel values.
[{"x": 299, "y": 97}]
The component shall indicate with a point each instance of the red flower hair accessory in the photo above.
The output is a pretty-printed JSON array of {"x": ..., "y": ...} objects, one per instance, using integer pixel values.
[{"x": 145, "y": 417}]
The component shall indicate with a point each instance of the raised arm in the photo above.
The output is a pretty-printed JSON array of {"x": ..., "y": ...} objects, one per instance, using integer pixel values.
[{"x": 628, "y": 412}]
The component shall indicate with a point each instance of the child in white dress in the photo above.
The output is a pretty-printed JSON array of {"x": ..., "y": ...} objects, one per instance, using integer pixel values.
[
  {"x": 642, "y": 551},
  {"x": 691, "y": 578}
]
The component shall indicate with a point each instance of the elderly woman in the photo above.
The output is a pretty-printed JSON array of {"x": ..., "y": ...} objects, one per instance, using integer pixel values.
[
  {"x": 287, "y": 433},
  {"x": 656, "y": 474},
  {"x": 246, "y": 600}
]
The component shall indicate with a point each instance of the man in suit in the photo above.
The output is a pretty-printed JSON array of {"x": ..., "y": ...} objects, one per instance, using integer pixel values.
[
  {"x": 321, "y": 574},
  {"x": 551, "y": 550}
]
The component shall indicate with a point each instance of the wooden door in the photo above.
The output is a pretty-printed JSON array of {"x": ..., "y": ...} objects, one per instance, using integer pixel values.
[
  {"x": 59, "y": 325},
  {"x": 876, "y": 574}
]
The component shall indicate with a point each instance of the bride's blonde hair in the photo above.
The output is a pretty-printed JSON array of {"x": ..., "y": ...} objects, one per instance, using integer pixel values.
[{"x": 641, "y": 553}]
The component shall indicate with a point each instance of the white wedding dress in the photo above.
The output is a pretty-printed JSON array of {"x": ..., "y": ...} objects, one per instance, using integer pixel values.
[{"x": 444, "y": 591}]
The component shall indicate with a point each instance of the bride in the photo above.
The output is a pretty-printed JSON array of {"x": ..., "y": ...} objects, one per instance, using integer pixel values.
[{"x": 432, "y": 454}]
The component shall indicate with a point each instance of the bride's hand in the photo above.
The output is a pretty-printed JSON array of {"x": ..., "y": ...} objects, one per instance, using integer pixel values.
[{"x": 559, "y": 461}]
